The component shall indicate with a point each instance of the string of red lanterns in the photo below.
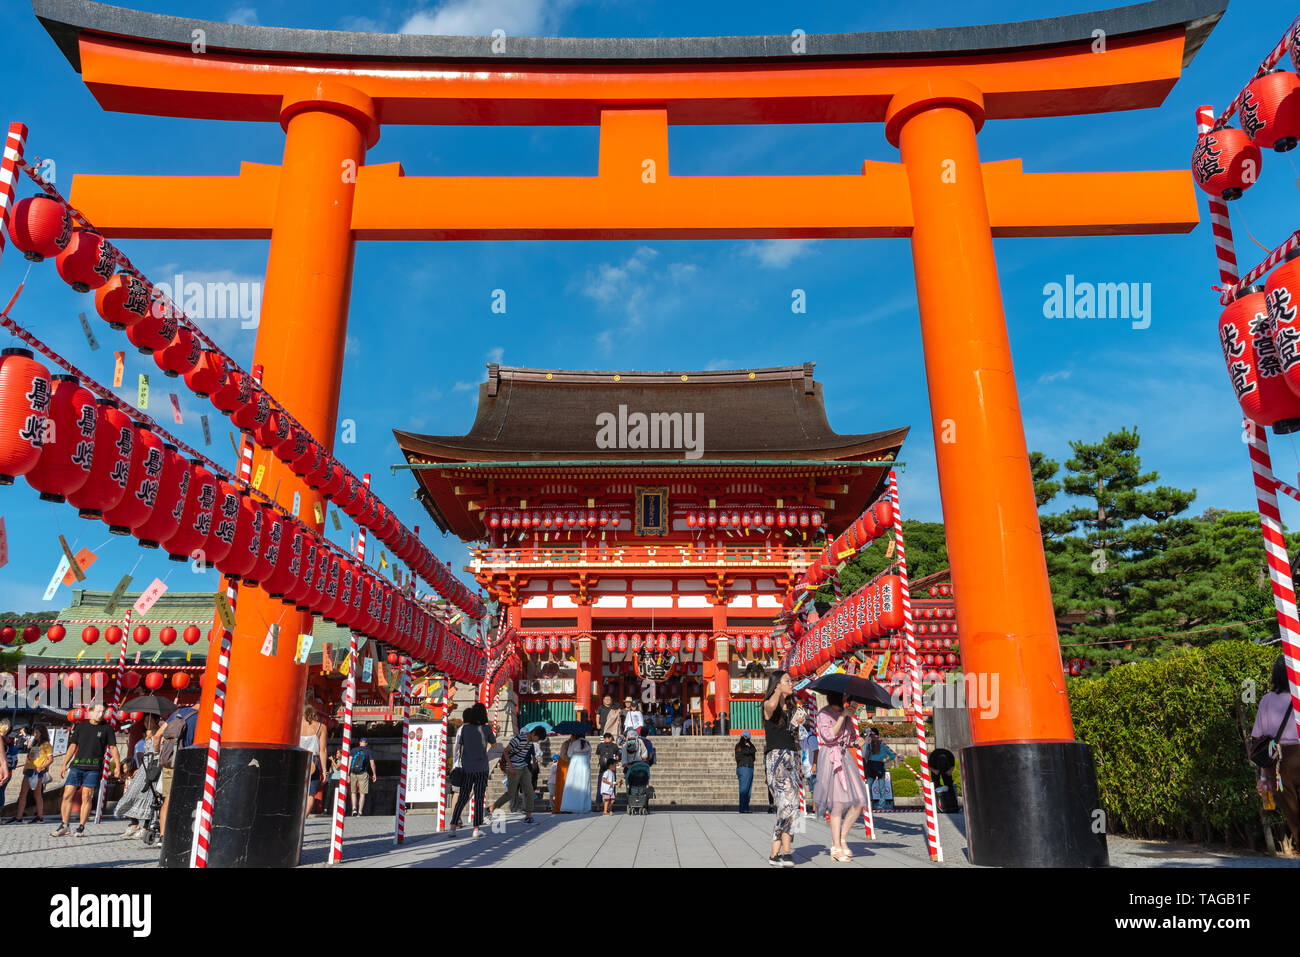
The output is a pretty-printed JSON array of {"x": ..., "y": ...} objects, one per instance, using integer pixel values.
[{"x": 41, "y": 226}]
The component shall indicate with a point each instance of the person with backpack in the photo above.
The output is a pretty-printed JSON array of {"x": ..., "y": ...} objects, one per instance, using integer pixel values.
[
  {"x": 470, "y": 756},
  {"x": 649, "y": 748},
  {"x": 1275, "y": 748},
  {"x": 359, "y": 776},
  {"x": 173, "y": 734}
]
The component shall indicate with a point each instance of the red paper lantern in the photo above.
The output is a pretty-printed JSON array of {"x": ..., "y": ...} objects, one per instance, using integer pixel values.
[
  {"x": 1270, "y": 110},
  {"x": 24, "y": 405},
  {"x": 208, "y": 375},
  {"x": 1239, "y": 326},
  {"x": 191, "y": 634},
  {"x": 253, "y": 413},
  {"x": 90, "y": 634},
  {"x": 236, "y": 392},
  {"x": 197, "y": 505},
  {"x": 225, "y": 520},
  {"x": 270, "y": 528},
  {"x": 72, "y": 681},
  {"x": 247, "y": 540},
  {"x": 300, "y": 587},
  {"x": 113, "y": 440},
  {"x": 40, "y": 227},
  {"x": 167, "y": 635},
  {"x": 68, "y": 445},
  {"x": 156, "y": 331},
  {"x": 165, "y": 518},
  {"x": 112, "y": 634},
  {"x": 181, "y": 356},
  {"x": 131, "y": 679},
  {"x": 1225, "y": 163},
  {"x": 86, "y": 263},
  {"x": 153, "y": 680},
  {"x": 122, "y": 301},
  {"x": 56, "y": 632},
  {"x": 143, "y": 475},
  {"x": 180, "y": 681},
  {"x": 7, "y": 635},
  {"x": 140, "y": 634}
]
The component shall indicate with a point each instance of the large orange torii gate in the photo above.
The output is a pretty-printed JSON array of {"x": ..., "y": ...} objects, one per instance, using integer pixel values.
[{"x": 1030, "y": 788}]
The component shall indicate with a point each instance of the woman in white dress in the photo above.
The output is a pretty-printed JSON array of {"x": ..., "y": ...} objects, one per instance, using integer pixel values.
[{"x": 577, "y": 780}]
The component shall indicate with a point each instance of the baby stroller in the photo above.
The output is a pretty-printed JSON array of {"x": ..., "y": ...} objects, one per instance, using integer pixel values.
[
  {"x": 639, "y": 791},
  {"x": 153, "y": 795}
]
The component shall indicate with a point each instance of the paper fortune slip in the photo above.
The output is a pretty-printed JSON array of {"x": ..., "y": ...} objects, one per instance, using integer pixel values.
[
  {"x": 85, "y": 328},
  {"x": 4, "y": 544},
  {"x": 118, "y": 592},
  {"x": 207, "y": 435},
  {"x": 149, "y": 597},
  {"x": 176, "y": 408},
  {"x": 142, "y": 396},
  {"x": 225, "y": 612},
  {"x": 59, "y": 572},
  {"x": 258, "y": 475},
  {"x": 119, "y": 365}
]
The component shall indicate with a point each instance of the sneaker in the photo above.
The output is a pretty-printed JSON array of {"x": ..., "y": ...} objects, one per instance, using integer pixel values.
[
  {"x": 787, "y": 860},
  {"x": 80, "y": 831},
  {"x": 478, "y": 832},
  {"x": 529, "y": 820},
  {"x": 776, "y": 861},
  {"x": 11, "y": 820},
  {"x": 61, "y": 831},
  {"x": 130, "y": 831}
]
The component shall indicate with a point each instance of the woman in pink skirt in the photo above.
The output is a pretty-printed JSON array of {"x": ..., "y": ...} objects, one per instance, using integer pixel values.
[{"x": 840, "y": 788}]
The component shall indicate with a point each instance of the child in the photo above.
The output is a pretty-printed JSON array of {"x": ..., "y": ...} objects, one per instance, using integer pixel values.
[{"x": 608, "y": 782}]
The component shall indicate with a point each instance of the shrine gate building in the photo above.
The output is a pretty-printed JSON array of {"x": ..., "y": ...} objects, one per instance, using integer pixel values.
[{"x": 646, "y": 525}]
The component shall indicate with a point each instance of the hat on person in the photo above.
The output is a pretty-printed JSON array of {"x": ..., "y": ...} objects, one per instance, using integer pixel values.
[
  {"x": 744, "y": 734},
  {"x": 364, "y": 742}
]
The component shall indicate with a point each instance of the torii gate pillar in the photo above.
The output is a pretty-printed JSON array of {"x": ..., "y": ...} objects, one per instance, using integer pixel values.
[
  {"x": 302, "y": 330},
  {"x": 1025, "y": 777}
]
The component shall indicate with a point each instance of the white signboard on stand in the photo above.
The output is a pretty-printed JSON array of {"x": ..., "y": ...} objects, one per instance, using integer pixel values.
[{"x": 423, "y": 762}]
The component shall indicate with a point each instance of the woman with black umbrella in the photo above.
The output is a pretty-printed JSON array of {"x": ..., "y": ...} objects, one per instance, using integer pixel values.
[{"x": 840, "y": 788}]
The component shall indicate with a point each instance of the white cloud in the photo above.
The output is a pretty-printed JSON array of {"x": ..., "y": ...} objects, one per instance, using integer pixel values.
[
  {"x": 478, "y": 18},
  {"x": 719, "y": 364},
  {"x": 245, "y": 15},
  {"x": 496, "y": 354},
  {"x": 362, "y": 25},
  {"x": 464, "y": 386},
  {"x": 351, "y": 345},
  {"x": 1054, "y": 376},
  {"x": 778, "y": 253}
]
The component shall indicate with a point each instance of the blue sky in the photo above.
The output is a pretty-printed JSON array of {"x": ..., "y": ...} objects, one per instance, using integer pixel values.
[{"x": 421, "y": 320}]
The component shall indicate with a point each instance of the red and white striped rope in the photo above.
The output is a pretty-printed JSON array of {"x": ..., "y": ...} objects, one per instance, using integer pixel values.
[
  {"x": 344, "y": 785},
  {"x": 1261, "y": 464},
  {"x": 349, "y": 702},
  {"x": 867, "y": 821},
  {"x": 117, "y": 704},
  {"x": 15, "y": 144},
  {"x": 1270, "y": 61},
  {"x": 1287, "y": 490},
  {"x": 1271, "y": 260},
  {"x": 914, "y": 672},
  {"x": 399, "y": 825},
  {"x": 106, "y": 620},
  {"x": 203, "y": 821},
  {"x": 442, "y": 763}
]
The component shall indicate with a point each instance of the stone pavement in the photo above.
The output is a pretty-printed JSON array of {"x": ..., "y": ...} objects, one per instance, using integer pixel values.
[{"x": 661, "y": 839}]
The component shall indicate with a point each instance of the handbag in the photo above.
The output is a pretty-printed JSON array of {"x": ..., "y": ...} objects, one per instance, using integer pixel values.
[
  {"x": 457, "y": 777},
  {"x": 1264, "y": 752}
]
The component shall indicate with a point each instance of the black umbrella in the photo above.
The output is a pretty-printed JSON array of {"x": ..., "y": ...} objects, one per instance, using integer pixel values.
[
  {"x": 580, "y": 728},
  {"x": 854, "y": 689},
  {"x": 151, "y": 704}
]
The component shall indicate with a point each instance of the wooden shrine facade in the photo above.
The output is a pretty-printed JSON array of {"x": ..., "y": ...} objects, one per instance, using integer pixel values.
[{"x": 603, "y": 525}]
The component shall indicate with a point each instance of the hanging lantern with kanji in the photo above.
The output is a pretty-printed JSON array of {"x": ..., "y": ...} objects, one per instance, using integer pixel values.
[
  {"x": 113, "y": 441},
  {"x": 1225, "y": 163},
  {"x": 122, "y": 301},
  {"x": 40, "y": 226},
  {"x": 69, "y": 441},
  {"x": 1270, "y": 110},
  {"x": 86, "y": 263},
  {"x": 24, "y": 405}
]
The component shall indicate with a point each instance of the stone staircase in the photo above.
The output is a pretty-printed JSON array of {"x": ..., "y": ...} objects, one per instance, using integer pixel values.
[{"x": 697, "y": 772}]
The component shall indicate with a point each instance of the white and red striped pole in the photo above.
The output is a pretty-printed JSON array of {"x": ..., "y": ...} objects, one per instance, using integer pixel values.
[
  {"x": 203, "y": 821},
  {"x": 117, "y": 704},
  {"x": 1261, "y": 465},
  {"x": 868, "y": 822},
  {"x": 349, "y": 699},
  {"x": 914, "y": 671},
  {"x": 399, "y": 825},
  {"x": 15, "y": 144},
  {"x": 442, "y": 761},
  {"x": 341, "y": 792}
]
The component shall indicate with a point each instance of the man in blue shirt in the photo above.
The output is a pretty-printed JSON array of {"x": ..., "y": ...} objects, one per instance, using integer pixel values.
[{"x": 361, "y": 769}]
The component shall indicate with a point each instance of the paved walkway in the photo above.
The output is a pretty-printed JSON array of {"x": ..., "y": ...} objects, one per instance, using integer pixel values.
[{"x": 661, "y": 839}]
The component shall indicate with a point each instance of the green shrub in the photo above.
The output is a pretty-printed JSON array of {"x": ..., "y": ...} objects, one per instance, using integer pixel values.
[{"x": 1168, "y": 739}]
